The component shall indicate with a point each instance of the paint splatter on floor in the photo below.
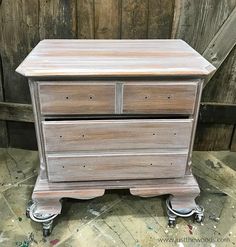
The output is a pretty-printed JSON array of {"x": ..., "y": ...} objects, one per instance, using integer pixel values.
[
  {"x": 54, "y": 242},
  {"x": 27, "y": 242},
  {"x": 190, "y": 229}
]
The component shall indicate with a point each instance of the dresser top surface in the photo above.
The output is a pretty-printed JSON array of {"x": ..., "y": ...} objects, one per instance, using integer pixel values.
[{"x": 107, "y": 58}]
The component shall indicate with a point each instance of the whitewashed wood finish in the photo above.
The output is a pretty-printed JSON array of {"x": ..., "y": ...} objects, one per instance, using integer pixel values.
[
  {"x": 103, "y": 58},
  {"x": 135, "y": 164},
  {"x": 175, "y": 98},
  {"x": 92, "y": 135},
  {"x": 109, "y": 97},
  {"x": 117, "y": 149},
  {"x": 79, "y": 98},
  {"x": 184, "y": 190}
]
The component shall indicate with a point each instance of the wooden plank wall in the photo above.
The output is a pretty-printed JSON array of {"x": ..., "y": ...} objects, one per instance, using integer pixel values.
[{"x": 24, "y": 23}]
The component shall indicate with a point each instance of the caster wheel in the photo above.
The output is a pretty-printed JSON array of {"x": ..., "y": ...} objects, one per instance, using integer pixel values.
[
  {"x": 46, "y": 232},
  {"x": 198, "y": 218},
  {"x": 27, "y": 212},
  {"x": 171, "y": 223}
]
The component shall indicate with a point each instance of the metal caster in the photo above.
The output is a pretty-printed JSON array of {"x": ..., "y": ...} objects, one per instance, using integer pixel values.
[
  {"x": 171, "y": 219},
  {"x": 47, "y": 228},
  {"x": 45, "y": 219},
  {"x": 27, "y": 212},
  {"x": 198, "y": 218},
  {"x": 198, "y": 213},
  {"x": 172, "y": 223},
  {"x": 46, "y": 232}
]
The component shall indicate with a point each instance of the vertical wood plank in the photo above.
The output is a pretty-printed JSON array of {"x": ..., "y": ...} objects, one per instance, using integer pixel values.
[
  {"x": 107, "y": 19},
  {"x": 18, "y": 35},
  {"x": 199, "y": 20},
  {"x": 233, "y": 142},
  {"x": 160, "y": 18},
  {"x": 134, "y": 19},
  {"x": 3, "y": 125},
  {"x": 221, "y": 88},
  {"x": 85, "y": 19},
  {"x": 213, "y": 137},
  {"x": 57, "y": 19},
  {"x": 22, "y": 135}
]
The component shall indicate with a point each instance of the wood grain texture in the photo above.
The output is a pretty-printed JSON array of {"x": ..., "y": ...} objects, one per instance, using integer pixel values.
[
  {"x": 18, "y": 35},
  {"x": 163, "y": 98},
  {"x": 134, "y": 19},
  {"x": 38, "y": 127},
  {"x": 218, "y": 174},
  {"x": 213, "y": 137},
  {"x": 16, "y": 112},
  {"x": 217, "y": 113},
  {"x": 116, "y": 134},
  {"x": 160, "y": 18},
  {"x": 85, "y": 19},
  {"x": 45, "y": 190},
  {"x": 57, "y": 19},
  {"x": 3, "y": 124},
  {"x": 233, "y": 142},
  {"x": 198, "y": 21},
  {"x": 85, "y": 98},
  {"x": 107, "y": 19},
  {"x": 183, "y": 194},
  {"x": 104, "y": 58},
  {"x": 115, "y": 166},
  {"x": 218, "y": 50},
  {"x": 221, "y": 89},
  {"x": 208, "y": 113}
]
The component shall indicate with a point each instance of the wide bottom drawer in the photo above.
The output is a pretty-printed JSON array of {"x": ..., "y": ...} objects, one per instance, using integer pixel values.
[{"x": 115, "y": 166}]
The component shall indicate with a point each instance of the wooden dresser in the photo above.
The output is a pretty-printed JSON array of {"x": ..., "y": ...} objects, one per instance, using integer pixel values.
[{"x": 113, "y": 114}]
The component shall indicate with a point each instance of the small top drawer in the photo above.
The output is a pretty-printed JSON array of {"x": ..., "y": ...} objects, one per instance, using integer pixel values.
[
  {"x": 72, "y": 98},
  {"x": 159, "y": 98}
]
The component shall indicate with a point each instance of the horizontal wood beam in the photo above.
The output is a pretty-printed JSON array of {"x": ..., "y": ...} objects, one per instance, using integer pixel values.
[
  {"x": 217, "y": 113},
  {"x": 215, "y": 172},
  {"x": 16, "y": 112},
  {"x": 209, "y": 112},
  {"x": 222, "y": 44}
]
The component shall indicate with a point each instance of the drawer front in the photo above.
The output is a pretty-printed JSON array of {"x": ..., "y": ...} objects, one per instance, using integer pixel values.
[
  {"x": 159, "y": 99},
  {"x": 116, "y": 134},
  {"x": 71, "y": 98},
  {"x": 116, "y": 166}
]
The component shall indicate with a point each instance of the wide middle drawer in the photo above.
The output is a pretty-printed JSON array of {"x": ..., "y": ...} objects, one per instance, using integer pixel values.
[{"x": 91, "y": 135}]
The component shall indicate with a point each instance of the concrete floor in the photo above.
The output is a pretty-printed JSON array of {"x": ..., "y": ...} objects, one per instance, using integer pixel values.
[{"x": 116, "y": 219}]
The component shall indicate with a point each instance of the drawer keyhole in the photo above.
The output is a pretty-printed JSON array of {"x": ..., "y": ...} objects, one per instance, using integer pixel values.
[{"x": 67, "y": 97}]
